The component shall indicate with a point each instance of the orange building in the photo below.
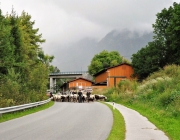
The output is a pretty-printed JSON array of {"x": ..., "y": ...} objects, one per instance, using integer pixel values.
[
  {"x": 80, "y": 83},
  {"x": 111, "y": 76}
]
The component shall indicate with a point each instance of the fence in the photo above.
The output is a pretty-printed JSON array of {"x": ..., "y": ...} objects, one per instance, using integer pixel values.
[{"x": 21, "y": 107}]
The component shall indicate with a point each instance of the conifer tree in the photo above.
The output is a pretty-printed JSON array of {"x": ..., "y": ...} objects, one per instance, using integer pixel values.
[{"x": 6, "y": 47}]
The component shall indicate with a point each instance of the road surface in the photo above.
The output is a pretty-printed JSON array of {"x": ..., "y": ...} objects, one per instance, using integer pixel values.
[{"x": 62, "y": 121}]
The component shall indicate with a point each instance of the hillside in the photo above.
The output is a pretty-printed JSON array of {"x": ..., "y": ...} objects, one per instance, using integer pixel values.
[{"x": 157, "y": 98}]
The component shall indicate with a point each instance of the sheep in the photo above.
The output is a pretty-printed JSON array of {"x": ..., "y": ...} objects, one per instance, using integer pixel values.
[
  {"x": 56, "y": 97},
  {"x": 100, "y": 97},
  {"x": 70, "y": 97},
  {"x": 75, "y": 98},
  {"x": 91, "y": 98},
  {"x": 84, "y": 97},
  {"x": 53, "y": 97}
]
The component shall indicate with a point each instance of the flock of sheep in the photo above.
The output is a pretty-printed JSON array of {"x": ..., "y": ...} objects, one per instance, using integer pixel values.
[{"x": 72, "y": 96}]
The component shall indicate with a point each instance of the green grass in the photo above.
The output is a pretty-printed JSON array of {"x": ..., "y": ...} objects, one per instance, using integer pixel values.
[
  {"x": 157, "y": 97},
  {"x": 118, "y": 128},
  {"x": 169, "y": 125},
  {"x": 17, "y": 114}
]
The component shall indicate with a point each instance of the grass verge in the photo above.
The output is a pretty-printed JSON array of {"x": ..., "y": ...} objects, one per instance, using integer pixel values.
[
  {"x": 169, "y": 125},
  {"x": 17, "y": 114},
  {"x": 118, "y": 129}
]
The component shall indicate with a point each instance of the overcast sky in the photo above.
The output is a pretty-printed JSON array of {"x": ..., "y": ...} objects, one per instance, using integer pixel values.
[{"x": 62, "y": 22}]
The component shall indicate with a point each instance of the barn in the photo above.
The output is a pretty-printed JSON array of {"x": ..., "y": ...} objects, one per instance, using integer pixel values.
[
  {"x": 111, "y": 76},
  {"x": 80, "y": 83}
]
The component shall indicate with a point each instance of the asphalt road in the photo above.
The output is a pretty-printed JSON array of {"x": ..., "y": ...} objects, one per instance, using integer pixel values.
[{"x": 63, "y": 121}]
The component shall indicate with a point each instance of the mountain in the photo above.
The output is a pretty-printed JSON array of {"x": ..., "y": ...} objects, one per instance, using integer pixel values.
[
  {"x": 77, "y": 56},
  {"x": 125, "y": 42}
]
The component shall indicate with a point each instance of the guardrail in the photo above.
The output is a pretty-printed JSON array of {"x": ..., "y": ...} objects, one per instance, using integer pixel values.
[{"x": 21, "y": 107}]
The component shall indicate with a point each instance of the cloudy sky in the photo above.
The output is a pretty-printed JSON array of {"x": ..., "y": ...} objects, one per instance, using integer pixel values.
[{"x": 64, "y": 22}]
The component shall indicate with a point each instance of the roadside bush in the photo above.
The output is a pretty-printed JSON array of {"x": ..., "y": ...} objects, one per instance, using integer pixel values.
[
  {"x": 165, "y": 99},
  {"x": 168, "y": 98},
  {"x": 110, "y": 94},
  {"x": 8, "y": 90},
  {"x": 99, "y": 90},
  {"x": 127, "y": 86},
  {"x": 15, "y": 92}
]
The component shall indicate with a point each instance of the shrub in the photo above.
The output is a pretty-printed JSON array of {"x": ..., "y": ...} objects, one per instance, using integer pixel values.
[
  {"x": 127, "y": 86},
  {"x": 168, "y": 97}
]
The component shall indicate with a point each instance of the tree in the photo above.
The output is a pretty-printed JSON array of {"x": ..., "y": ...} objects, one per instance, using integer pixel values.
[
  {"x": 6, "y": 49},
  {"x": 46, "y": 59},
  {"x": 167, "y": 29},
  {"x": 24, "y": 67},
  {"x": 164, "y": 49},
  {"x": 95, "y": 67},
  {"x": 104, "y": 60},
  {"x": 147, "y": 60}
]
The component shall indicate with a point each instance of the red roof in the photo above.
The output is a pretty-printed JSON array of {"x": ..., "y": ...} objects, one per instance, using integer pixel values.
[
  {"x": 104, "y": 70},
  {"x": 82, "y": 79}
]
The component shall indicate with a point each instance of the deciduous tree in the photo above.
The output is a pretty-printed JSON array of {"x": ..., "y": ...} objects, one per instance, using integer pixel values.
[
  {"x": 164, "y": 49},
  {"x": 104, "y": 60}
]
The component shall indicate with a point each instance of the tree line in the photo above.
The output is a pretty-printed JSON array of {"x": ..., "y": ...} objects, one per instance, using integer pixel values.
[{"x": 24, "y": 67}]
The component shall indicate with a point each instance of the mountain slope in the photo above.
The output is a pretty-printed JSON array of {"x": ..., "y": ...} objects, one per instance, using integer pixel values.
[{"x": 77, "y": 56}]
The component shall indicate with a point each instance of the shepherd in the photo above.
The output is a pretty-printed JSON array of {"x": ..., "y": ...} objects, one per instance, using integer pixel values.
[
  {"x": 80, "y": 96},
  {"x": 88, "y": 95}
]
